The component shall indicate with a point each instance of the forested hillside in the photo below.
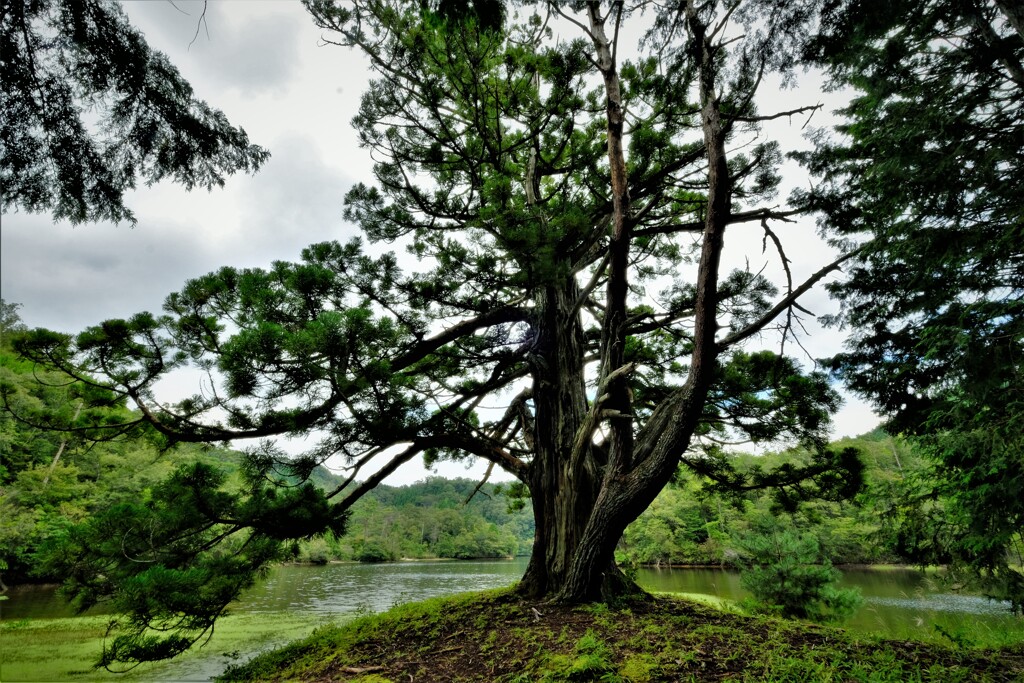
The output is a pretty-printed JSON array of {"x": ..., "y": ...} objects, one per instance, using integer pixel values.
[
  {"x": 688, "y": 524},
  {"x": 428, "y": 519},
  {"x": 50, "y": 481}
]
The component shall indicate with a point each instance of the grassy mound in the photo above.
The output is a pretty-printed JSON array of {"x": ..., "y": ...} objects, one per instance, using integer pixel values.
[{"x": 498, "y": 636}]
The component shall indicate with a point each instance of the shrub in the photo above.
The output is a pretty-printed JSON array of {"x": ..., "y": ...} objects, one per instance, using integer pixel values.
[
  {"x": 787, "y": 575},
  {"x": 371, "y": 551},
  {"x": 315, "y": 551}
]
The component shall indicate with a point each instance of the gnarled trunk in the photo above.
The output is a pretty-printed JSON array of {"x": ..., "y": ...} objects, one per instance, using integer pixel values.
[{"x": 563, "y": 487}]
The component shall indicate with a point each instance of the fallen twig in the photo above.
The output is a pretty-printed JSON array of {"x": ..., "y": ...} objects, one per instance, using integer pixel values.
[{"x": 361, "y": 669}]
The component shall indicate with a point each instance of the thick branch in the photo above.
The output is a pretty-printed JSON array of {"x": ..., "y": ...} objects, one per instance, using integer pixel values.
[
  {"x": 613, "y": 343},
  {"x": 734, "y": 218},
  {"x": 497, "y": 316},
  {"x": 598, "y": 411},
  {"x": 201, "y": 433},
  {"x": 383, "y": 473},
  {"x": 480, "y": 484}
]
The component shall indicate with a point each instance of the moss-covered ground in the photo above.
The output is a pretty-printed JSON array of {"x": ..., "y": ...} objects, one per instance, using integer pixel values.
[{"x": 498, "y": 636}]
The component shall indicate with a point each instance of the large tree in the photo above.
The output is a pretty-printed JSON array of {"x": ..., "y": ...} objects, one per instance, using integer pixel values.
[
  {"x": 927, "y": 174},
  {"x": 569, "y": 319},
  {"x": 89, "y": 110}
]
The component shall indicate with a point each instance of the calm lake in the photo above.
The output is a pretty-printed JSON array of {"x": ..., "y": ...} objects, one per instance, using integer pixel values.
[{"x": 898, "y": 603}]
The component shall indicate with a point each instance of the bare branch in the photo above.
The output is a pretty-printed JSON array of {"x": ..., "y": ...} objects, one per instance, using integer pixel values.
[
  {"x": 201, "y": 22},
  {"x": 480, "y": 484},
  {"x": 724, "y": 21},
  {"x": 770, "y": 234},
  {"x": 771, "y": 117},
  {"x": 568, "y": 17},
  {"x": 383, "y": 473},
  {"x": 784, "y": 304}
]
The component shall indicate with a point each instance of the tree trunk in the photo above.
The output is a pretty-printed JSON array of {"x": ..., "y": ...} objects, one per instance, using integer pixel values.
[
  {"x": 572, "y": 497},
  {"x": 583, "y": 499},
  {"x": 563, "y": 486}
]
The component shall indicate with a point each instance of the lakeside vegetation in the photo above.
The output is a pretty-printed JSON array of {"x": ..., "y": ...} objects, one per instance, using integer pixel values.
[
  {"x": 690, "y": 523},
  {"x": 52, "y": 481},
  {"x": 434, "y": 518}
]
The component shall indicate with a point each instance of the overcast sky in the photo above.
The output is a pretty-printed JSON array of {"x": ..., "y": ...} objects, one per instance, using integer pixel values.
[{"x": 263, "y": 64}]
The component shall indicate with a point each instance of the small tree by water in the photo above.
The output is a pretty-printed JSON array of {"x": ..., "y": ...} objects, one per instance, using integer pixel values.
[{"x": 787, "y": 573}]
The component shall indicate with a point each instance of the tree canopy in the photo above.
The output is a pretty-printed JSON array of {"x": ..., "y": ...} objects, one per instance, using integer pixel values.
[
  {"x": 89, "y": 109},
  {"x": 569, "y": 320},
  {"x": 925, "y": 177}
]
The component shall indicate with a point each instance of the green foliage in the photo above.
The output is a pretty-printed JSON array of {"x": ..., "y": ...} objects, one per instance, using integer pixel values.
[
  {"x": 372, "y": 551},
  {"x": 170, "y": 538},
  {"x": 680, "y": 527},
  {"x": 43, "y": 497},
  {"x": 53, "y": 479},
  {"x": 788, "y": 574},
  {"x": 173, "y": 562},
  {"x": 527, "y": 332},
  {"x": 89, "y": 109},
  {"x": 764, "y": 395},
  {"x": 10, "y": 320},
  {"x": 346, "y": 346},
  {"x": 691, "y": 522},
  {"x": 926, "y": 174}
]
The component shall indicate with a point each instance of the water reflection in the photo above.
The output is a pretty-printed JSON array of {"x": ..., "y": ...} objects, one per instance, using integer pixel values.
[
  {"x": 967, "y": 604},
  {"x": 347, "y": 588},
  {"x": 718, "y": 582}
]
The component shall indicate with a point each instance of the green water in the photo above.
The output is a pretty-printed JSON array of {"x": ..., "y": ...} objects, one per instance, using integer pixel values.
[{"x": 296, "y": 599}]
